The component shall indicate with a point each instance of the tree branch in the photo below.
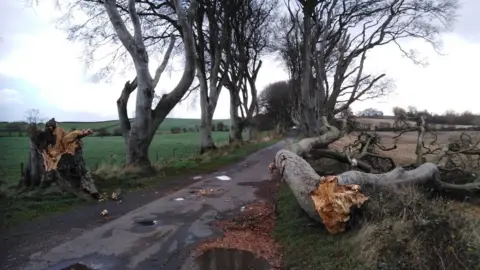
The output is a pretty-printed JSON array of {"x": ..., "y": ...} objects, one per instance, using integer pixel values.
[{"x": 163, "y": 65}]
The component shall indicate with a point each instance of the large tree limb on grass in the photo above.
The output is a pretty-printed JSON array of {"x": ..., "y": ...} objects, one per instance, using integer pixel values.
[{"x": 330, "y": 199}]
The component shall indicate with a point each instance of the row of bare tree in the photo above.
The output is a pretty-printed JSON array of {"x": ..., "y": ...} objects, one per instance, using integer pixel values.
[
  {"x": 222, "y": 42},
  {"x": 323, "y": 43}
]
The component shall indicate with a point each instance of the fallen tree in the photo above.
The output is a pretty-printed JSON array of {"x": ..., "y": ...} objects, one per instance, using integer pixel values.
[
  {"x": 330, "y": 199},
  {"x": 56, "y": 159}
]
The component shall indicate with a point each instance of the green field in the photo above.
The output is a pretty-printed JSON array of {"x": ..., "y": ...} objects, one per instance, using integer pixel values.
[
  {"x": 167, "y": 124},
  {"x": 104, "y": 150}
]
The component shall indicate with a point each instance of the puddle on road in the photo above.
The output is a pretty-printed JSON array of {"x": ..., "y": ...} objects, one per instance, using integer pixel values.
[
  {"x": 232, "y": 259},
  {"x": 147, "y": 222},
  {"x": 77, "y": 266}
]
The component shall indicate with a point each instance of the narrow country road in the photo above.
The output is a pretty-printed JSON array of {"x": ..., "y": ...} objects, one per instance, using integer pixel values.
[{"x": 181, "y": 219}]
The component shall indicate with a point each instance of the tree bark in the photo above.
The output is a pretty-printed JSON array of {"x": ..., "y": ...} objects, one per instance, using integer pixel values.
[
  {"x": 206, "y": 140},
  {"x": 235, "y": 131},
  {"x": 209, "y": 91},
  {"x": 35, "y": 167},
  {"x": 208, "y": 103},
  {"x": 310, "y": 123}
]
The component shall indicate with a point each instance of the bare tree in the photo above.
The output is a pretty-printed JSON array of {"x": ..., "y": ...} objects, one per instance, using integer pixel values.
[
  {"x": 139, "y": 134},
  {"x": 277, "y": 102},
  {"x": 104, "y": 48},
  {"x": 33, "y": 117},
  {"x": 335, "y": 38},
  {"x": 138, "y": 30},
  {"x": 251, "y": 33},
  {"x": 332, "y": 44},
  {"x": 211, "y": 40}
]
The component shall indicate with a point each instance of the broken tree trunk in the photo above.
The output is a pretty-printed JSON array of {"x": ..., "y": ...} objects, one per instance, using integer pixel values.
[
  {"x": 56, "y": 157},
  {"x": 330, "y": 199}
]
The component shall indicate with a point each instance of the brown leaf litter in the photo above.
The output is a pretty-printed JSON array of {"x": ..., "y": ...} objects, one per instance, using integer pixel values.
[
  {"x": 250, "y": 231},
  {"x": 208, "y": 192}
]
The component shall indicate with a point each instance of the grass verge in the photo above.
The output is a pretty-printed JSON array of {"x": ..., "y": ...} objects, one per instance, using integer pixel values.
[
  {"x": 398, "y": 229},
  {"x": 16, "y": 210}
]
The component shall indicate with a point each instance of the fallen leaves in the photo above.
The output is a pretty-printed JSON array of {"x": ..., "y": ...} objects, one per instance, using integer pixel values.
[
  {"x": 272, "y": 168},
  {"x": 116, "y": 194},
  {"x": 250, "y": 231},
  {"x": 209, "y": 192}
]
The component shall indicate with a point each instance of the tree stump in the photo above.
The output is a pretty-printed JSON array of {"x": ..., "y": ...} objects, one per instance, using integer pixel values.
[{"x": 56, "y": 157}]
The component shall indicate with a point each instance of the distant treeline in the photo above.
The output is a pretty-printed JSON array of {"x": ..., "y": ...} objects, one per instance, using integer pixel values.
[
  {"x": 450, "y": 117},
  {"x": 19, "y": 129},
  {"x": 358, "y": 125}
]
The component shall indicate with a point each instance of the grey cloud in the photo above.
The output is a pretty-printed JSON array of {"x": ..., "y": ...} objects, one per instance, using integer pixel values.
[
  {"x": 468, "y": 20},
  {"x": 30, "y": 99},
  {"x": 16, "y": 18}
]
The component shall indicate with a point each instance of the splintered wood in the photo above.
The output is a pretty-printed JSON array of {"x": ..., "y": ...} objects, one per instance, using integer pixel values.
[
  {"x": 333, "y": 202},
  {"x": 65, "y": 143}
]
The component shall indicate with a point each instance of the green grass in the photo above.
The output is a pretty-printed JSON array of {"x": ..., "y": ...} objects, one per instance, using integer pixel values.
[
  {"x": 110, "y": 150},
  {"x": 401, "y": 228},
  {"x": 173, "y": 154},
  {"x": 307, "y": 245}
]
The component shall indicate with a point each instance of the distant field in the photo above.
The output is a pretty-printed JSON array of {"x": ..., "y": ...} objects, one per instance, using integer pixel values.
[
  {"x": 107, "y": 150},
  {"x": 391, "y": 120},
  {"x": 167, "y": 124},
  {"x": 405, "y": 152}
]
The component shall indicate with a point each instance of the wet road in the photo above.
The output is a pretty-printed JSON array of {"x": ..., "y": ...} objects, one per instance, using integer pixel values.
[{"x": 181, "y": 220}]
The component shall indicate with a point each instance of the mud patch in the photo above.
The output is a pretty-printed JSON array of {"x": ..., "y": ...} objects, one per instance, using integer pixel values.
[
  {"x": 146, "y": 222},
  {"x": 266, "y": 190},
  {"x": 77, "y": 266},
  {"x": 232, "y": 259},
  {"x": 145, "y": 225}
]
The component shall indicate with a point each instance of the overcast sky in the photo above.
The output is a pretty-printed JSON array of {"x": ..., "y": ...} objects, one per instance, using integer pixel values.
[{"x": 40, "y": 69}]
